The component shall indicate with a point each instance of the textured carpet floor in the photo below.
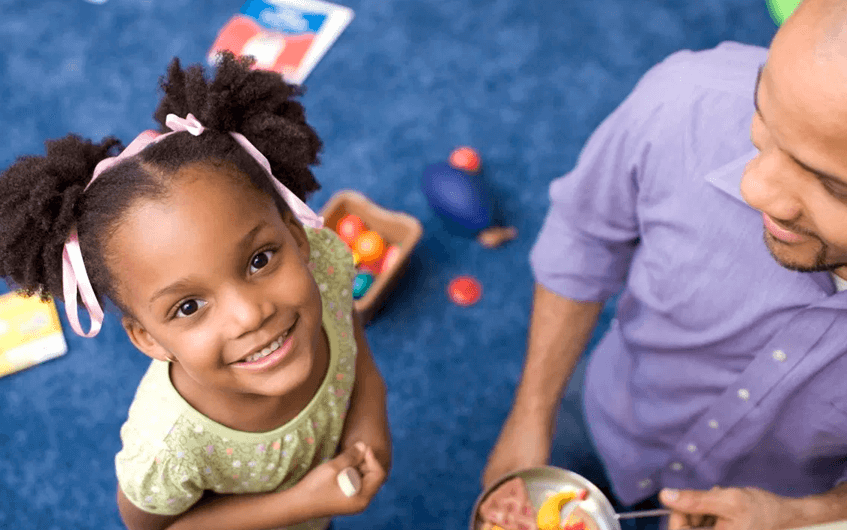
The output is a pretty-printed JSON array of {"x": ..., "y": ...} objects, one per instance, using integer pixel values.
[{"x": 525, "y": 82}]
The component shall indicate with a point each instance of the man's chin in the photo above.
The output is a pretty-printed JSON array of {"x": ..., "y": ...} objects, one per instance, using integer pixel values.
[{"x": 789, "y": 259}]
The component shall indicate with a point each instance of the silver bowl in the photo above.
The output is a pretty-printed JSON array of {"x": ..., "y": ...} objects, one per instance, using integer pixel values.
[{"x": 541, "y": 482}]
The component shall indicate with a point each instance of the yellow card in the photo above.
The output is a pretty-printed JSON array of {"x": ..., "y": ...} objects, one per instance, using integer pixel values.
[{"x": 30, "y": 332}]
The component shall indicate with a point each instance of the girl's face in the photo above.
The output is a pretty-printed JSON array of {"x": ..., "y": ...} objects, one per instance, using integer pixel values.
[{"x": 214, "y": 275}]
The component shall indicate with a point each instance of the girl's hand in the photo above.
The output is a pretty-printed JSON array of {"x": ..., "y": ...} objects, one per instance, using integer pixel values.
[{"x": 320, "y": 485}]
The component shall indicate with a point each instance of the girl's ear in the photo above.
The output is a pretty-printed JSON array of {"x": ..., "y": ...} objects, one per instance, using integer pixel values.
[
  {"x": 144, "y": 341},
  {"x": 299, "y": 234}
]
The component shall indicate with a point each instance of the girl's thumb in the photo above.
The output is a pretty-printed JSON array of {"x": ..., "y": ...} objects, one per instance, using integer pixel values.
[{"x": 353, "y": 455}]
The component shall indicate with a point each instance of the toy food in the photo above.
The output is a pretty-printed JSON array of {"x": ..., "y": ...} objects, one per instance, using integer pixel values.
[
  {"x": 369, "y": 246},
  {"x": 349, "y": 481},
  {"x": 549, "y": 515},
  {"x": 464, "y": 290},
  {"x": 349, "y": 227},
  {"x": 508, "y": 507},
  {"x": 579, "y": 520},
  {"x": 392, "y": 254},
  {"x": 361, "y": 284},
  {"x": 462, "y": 199},
  {"x": 465, "y": 159},
  {"x": 495, "y": 236}
]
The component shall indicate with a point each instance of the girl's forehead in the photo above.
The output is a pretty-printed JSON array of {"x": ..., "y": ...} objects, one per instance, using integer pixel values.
[{"x": 198, "y": 228}]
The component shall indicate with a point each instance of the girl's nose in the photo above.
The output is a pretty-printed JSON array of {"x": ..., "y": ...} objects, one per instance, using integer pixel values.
[
  {"x": 771, "y": 186},
  {"x": 247, "y": 310}
]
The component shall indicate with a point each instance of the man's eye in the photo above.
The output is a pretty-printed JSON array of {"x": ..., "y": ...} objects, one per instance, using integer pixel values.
[
  {"x": 188, "y": 308},
  {"x": 260, "y": 260}
]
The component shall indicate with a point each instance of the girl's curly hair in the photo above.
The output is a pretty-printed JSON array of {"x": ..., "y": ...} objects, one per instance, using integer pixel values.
[{"x": 41, "y": 197}]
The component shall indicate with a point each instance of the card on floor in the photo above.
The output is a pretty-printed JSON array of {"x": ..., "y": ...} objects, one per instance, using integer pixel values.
[{"x": 285, "y": 36}]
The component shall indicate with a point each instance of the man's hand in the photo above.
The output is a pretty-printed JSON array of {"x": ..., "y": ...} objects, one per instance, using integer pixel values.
[
  {"x": 523, "y": 443},
  {"x": 730, "y": 509}
]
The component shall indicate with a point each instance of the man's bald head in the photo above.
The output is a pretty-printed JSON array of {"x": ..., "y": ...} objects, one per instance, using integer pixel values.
[{"x": 817, "y": 26}]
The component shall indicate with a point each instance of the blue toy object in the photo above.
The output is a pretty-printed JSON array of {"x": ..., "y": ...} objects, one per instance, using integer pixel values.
[
  {"x": 361, "y": 284},
  {"x": 461, "y": 198}
]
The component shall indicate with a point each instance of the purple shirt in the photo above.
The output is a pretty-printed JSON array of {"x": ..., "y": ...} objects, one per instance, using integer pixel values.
[{"x": 721, "y": 367}]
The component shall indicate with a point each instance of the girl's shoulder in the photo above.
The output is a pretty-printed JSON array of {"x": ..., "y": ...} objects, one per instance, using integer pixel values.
[{"x": 330, "y": 259}]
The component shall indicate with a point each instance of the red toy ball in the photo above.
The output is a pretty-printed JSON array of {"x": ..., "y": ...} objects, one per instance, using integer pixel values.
[
  {"x": 464, "y": 290},
  {"x": 349, "y": 227},
  {"x": 465, "y": 159}
]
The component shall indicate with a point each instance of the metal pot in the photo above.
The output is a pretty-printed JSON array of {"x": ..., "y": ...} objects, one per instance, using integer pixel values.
[{"x": 541, "y": 482}]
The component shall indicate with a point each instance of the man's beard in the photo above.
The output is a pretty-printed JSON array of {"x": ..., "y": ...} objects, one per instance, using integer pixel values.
[{"x": 820, "y": 263}]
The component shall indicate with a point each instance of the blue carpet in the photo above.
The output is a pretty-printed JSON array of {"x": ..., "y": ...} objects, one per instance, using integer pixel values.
[{"x": 523, "y": 82}]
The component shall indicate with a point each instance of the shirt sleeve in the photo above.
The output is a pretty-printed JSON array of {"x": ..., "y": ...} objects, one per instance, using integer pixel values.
[
  {"x": 155, "y": 481},
  {"x": 591, "y": 230}
]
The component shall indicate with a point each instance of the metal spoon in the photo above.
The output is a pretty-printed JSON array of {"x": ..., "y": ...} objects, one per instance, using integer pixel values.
[{"x": 653, "y": 513}]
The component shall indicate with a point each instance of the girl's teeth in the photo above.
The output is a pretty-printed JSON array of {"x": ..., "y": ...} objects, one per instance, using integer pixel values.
[{"x": 267, "y": 351}]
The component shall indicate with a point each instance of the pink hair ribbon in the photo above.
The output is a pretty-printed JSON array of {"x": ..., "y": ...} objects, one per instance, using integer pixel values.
[{"x": 74, "y": 276}]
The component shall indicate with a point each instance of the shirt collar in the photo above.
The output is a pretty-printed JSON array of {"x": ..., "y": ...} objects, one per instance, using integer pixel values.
[{"x": 727, "y": 178}]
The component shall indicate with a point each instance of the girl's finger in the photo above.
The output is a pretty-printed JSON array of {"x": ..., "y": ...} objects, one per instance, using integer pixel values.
[
  {"x": 353, "y": 456},
  {"x": 373, "y": 475}
]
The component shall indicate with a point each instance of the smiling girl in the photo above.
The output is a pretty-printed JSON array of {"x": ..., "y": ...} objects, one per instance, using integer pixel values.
[{"x": 262, "y": 387}]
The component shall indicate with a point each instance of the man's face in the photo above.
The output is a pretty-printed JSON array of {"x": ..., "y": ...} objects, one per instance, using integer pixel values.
[{"x": 799, "y": 178}]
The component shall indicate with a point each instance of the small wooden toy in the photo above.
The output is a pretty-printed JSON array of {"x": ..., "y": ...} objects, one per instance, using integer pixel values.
[
  {"x": 465, "y": 159},
  {"x": 349, "y": 228},
  {"x": 389, "y": 258},
  {"x": 457, "y": 192},
  {"x": 361, "y": 284},
  {"x": 464, "y": 290},
  {"x": 369, "y": 245},
  {"x": 349, "y": 481}
]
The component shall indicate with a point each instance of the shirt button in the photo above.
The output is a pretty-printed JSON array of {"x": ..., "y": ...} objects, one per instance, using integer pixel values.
[
  {"x": 676, "y": 466},
  {"x": 691, "y": 448},
  {"x": 713, "y": 424},
  {"x": 744, "y": 394},
  {"x": 645, "y": 483},
  {"x": 779, "y": 355}
]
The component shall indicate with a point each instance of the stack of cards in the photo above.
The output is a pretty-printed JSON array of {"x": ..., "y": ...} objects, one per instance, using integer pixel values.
[
  {"x": 285, "y": 36},
  {"x": 30, "y": 332}
]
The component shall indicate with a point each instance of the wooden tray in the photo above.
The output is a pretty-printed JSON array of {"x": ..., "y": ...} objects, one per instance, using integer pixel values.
[{"x": 396, "y": 228}]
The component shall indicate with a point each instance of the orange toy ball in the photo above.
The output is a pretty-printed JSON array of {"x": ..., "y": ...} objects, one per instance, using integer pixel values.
[
  {"x": 349, "y": 227},
  {"x": 392, "y": 254},
  {"x": 369, "y": 245},
  {"x": 464, "y": 290},
  {"x": 465, "y": 159}
]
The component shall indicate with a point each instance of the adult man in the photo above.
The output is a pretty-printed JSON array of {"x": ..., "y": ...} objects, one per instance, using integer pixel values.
[{"x": 725, "y": 364}]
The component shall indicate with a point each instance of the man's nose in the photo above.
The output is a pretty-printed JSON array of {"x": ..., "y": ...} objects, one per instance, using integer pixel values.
[{"x": 772, "y": 187}]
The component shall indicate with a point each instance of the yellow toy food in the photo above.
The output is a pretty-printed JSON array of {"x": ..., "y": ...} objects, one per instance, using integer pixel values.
[{"x": 550, "y": 513}]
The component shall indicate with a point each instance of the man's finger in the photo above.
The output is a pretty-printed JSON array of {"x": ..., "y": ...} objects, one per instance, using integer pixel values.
[
  {"x": 717, "y": 501},
  {"x": 677, "y": 521}
]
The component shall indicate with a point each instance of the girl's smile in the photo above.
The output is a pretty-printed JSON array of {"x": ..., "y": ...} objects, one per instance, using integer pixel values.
[{"x": 270, "y": 355}]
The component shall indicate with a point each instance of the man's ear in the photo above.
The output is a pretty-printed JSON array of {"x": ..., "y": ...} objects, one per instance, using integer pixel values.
[
  {"x": 299, "y": 234},
  {"x": 145, "y": 342}
]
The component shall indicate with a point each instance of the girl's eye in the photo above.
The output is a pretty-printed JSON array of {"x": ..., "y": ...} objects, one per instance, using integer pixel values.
[
  {"x": 188, "y": 308},
  {"x": 260, "y": 260}
]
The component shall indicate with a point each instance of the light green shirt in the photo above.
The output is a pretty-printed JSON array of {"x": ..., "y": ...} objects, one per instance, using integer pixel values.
[{"x": 172, "y": 453}]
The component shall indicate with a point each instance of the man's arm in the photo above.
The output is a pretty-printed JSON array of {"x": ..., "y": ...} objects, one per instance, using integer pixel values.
[{"x": 559, "y": 331}]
